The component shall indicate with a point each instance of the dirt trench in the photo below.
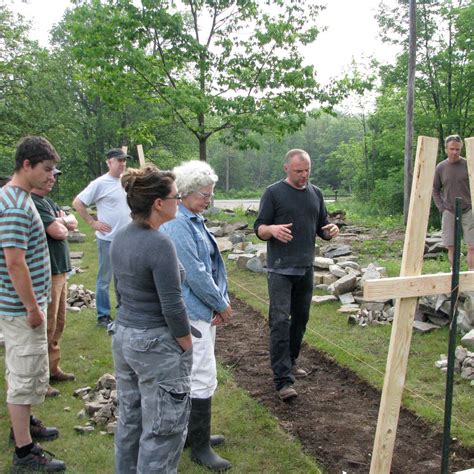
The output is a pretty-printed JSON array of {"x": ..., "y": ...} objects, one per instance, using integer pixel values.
[{"x": 335, "y": 413}]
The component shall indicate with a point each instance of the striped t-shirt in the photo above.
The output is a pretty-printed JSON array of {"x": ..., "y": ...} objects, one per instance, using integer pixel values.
[{"x": 21, "y": 227}]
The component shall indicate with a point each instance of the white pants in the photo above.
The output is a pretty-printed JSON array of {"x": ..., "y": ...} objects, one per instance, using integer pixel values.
[{"x": 204, "y": 372}]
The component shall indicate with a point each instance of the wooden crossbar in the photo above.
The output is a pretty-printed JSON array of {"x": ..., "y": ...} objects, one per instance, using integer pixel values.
[{"x": 409, "y": 287}]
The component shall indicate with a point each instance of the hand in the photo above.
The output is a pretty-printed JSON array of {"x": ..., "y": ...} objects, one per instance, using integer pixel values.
[
  {"x": 35, "y": 318},
  {"x": 70, "y": 222},
  {"x": 331, "y": 230},
  {"x": 101, "y": 227},
  {"x": 282, "y": 232},
  {"x": 222, "y": 316}
]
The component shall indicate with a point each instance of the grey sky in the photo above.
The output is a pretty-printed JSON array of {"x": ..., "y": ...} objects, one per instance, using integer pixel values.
[{"x": 352, "y": 31}]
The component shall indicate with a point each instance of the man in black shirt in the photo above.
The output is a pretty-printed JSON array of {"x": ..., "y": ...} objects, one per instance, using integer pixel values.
[
  {"x": 57, "y": 226},
  {"x": 292, "y": 212}
]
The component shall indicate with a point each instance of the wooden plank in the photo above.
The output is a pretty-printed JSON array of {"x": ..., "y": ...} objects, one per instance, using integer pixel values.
[
  {"x": 405, "y": 308},
  {"x": 141, "y": 156},
  {"x": 409, "y": 287},
  {"x": 469, "y": 143},
  {"x": 125, "y": 149}
]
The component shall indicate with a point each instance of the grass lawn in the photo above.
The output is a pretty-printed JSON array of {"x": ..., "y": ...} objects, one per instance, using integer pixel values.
[{"x": 255, "y": 442}]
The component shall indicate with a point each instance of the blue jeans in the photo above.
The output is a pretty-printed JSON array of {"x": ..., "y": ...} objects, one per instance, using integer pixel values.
[
  {"x": 290, "y": 301},
  {"x": 104, "y": 275}
]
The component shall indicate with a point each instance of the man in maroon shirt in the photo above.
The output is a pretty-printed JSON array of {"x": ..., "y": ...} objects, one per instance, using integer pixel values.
[{"x": 452, "y": 180}]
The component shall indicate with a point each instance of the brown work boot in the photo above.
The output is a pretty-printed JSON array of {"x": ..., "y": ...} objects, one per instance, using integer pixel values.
[
  {"x": 62, "y": 377},
  {"x": 298, "y": 372},
  {"x": 287, "y": 393},
  {"x": 52, "y": 392}
]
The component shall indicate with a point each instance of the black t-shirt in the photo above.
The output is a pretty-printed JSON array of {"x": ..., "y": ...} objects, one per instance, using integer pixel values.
[
  {"x": 58, "y": 249},
  {"x": 305, "y": 209}
]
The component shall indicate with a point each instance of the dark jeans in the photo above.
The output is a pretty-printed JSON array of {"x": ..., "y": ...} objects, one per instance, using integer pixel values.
[{"x": 290, "y": 300}]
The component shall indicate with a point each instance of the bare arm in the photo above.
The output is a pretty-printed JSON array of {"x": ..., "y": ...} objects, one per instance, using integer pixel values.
[
  {"x": 21, "y": 279},
  {"x": 281, "y": 232},
  {"x": 57, "y": 230},
  {"x": 81, "y": 208}
]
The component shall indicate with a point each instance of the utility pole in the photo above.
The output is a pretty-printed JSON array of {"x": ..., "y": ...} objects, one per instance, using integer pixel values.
[{"x": 409, "y": 112}]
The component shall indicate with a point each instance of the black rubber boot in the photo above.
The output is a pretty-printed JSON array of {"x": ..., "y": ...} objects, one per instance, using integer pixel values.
[
  {"x": 214, "y": 440},
  {"x": 199, "y": 431}
]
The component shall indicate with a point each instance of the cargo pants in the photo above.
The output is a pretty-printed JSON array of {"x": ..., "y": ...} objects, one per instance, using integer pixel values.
[{"x": 153, "y": 384}]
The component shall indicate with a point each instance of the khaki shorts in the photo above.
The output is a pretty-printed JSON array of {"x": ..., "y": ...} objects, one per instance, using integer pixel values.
[
  {"x": 447, "y": 226},
  {"x": 26, "y": 360}
]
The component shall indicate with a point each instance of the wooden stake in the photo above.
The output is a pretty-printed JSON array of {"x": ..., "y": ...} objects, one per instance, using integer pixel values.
[
  {"x": 125, "y": 149},
  {"x": 141, "y": 156},
  {"x": 400, "y": 339}
]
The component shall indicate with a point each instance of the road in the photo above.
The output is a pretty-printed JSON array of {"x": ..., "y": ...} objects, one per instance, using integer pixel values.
[
  {"x": 243, "y": 203},
  {"x": 236, "y": 203}
]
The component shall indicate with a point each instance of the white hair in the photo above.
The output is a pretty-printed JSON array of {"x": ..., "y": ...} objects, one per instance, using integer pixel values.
[{"x": 193, "y": 175}]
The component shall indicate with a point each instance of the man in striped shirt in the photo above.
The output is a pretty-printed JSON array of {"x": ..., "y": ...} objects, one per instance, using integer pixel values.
[{"x": 25, "y": 279}]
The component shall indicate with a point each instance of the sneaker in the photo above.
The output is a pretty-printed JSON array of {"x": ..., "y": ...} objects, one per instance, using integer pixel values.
[
  {"x": 287, "y": 393},
  {"x": 62, "y": 377},
  {"x": 38, "y": 431},
  {"x": 104, "y": 321},
  {"x": 52, "y": 392},
  {"x": 299, "y": 373},
  {"x": 38, "y": 460}
]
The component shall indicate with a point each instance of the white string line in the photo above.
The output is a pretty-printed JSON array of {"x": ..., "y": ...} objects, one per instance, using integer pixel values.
[{"x": 412, "y": 392}]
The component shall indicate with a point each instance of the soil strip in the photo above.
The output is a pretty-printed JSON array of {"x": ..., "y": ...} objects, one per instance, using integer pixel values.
[{"x": 335, "y": 413}]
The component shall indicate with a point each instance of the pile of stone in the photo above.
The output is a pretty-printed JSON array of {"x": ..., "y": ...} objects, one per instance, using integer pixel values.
[
  {"x": 435, "y": 310},
  {"x": 100, "y": 406},
  {"x": 76, "y": 237},
  {"x": 463, "y": 363},
  {"x": 434, "y": 246},
  {"x": 79, "y": 298}
]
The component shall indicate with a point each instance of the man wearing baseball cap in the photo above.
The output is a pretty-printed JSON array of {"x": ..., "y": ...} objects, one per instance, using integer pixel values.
[{"x": 107, "y": 194}]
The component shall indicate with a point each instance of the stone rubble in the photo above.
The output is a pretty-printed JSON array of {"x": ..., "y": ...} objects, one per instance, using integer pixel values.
[
  {"x": 100, "y": 405},
  {"x": 79, "y": 298},
  {"x": 463, "y": 363}
]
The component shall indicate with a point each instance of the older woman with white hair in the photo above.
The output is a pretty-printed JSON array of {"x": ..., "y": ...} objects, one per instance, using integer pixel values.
[{"x": 206, "y": 299}]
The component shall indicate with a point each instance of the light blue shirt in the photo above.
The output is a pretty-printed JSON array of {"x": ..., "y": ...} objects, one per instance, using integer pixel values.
[{"x": 204, "y": 290}]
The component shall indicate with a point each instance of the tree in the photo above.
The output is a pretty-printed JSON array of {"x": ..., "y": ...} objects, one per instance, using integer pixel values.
[
  {"x": 211, "y": 65},
  {"x": 445, "y": 62}
]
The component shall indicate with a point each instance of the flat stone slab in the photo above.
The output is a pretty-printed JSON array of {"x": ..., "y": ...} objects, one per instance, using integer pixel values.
[
  {"x": 323, "y": 299},
  {"x": 468, "y": 340},
  {"x": 322, "y": 262},
  {"x": 420, "y": 326},
  {"x": 349, "y": 308},
  {"x": 346, "y": 298},
  {"x": 76, "y": 255}
]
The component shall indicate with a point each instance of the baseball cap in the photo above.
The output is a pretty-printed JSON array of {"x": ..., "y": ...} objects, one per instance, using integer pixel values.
[{"x": 117, "y": 153}]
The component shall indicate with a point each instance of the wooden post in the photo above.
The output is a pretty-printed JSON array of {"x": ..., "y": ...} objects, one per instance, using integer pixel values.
[
  {"x": 125, "y": 149},
  {"x": 141, "y": 156},
  {"x": 469, "y": 143},
  {"x": 404, "y": 308}
]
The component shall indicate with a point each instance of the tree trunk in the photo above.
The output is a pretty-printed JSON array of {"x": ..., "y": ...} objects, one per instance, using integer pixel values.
[
  {"x": 409, "y": 112},
  {"x": 202, "y": 149}
]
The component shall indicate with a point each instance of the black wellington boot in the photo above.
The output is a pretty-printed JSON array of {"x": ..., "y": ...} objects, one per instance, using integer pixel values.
[{"x": 199, "y": 431}]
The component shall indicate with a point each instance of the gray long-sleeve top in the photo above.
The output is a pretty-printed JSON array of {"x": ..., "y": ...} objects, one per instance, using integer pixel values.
[
  {"x": 148, "y": 278},
  {"x": 450, "y": 181}
]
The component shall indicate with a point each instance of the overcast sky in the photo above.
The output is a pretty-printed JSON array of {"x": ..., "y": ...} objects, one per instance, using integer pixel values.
[{"x": 352, "y": 31}]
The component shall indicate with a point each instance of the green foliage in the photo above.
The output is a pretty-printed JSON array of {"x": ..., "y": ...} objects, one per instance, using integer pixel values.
[{"x": 242, "y": 73}]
